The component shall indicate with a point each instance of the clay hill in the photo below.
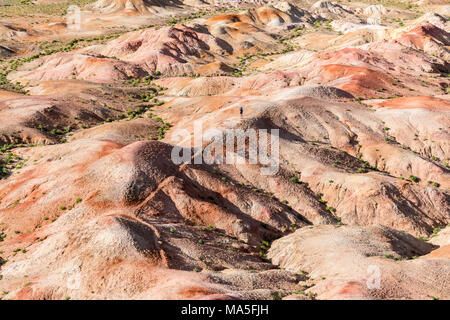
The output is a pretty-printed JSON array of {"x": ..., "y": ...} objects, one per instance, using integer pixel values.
[{"x": 93, "y": 207}]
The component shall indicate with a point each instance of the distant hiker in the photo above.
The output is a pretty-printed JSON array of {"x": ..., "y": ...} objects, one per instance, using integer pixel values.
[{"x": 241, "y": 110}]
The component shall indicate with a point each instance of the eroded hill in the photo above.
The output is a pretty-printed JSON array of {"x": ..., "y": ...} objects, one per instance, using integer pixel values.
[{"x": 93, "y": 207}]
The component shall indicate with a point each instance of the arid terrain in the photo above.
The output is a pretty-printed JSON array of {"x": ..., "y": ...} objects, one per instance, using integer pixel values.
[{"x": 93, "y": 99}]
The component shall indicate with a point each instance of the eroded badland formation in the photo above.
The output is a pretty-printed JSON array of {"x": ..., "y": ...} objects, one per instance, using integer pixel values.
[{"x": 92, "y": 206}]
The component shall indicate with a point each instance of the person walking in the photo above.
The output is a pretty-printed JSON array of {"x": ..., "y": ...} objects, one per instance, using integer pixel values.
[{"x": 241, "y": 110}]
